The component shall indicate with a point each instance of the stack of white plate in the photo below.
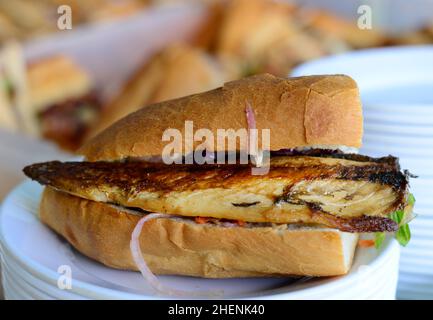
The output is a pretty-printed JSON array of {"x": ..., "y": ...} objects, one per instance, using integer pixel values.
[
  {"x": 396, "y": 86},
  {"x": 414, "y": 144},
  {"x": 37, "y": 264}
]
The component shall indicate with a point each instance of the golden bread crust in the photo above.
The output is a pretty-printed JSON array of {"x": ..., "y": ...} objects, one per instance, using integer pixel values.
[
  {"x": 312, "y": 111},
  {"x": 181, "y": 246}
]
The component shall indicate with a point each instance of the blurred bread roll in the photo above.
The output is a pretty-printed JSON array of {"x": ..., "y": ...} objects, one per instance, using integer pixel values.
[
  {"x": 263, "y": 36},
  {"x": 176, "y": 71},
  {"x": 329, "y": 26}
]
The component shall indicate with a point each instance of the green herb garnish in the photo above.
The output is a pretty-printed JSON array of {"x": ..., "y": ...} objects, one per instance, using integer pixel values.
[
  {"x": 397, "y": 216},
  {"x": 411, "y": 199},
  {"x": 403, "y": 233},
  {"x": 379, "y": 237}
]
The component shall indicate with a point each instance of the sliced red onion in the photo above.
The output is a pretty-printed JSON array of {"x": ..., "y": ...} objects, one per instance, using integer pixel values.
[
  {"x": 257, "y": 155},
  {"x": 150, "y": 278},
  {"x": 251, "y": 119}
]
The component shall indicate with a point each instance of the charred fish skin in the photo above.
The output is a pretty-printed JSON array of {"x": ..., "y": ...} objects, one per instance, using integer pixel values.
[
  {"x": 175, "y": 177},
  {"x": 340, "y": 189}
]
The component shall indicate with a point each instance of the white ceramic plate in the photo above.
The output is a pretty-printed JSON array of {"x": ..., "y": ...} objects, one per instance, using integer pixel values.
[
  {"x": 381, "y": 286},
  {"x": 31, "y": 281},
  {"x": 407, "y": 69},
  {"x": 35, "y": 253}
]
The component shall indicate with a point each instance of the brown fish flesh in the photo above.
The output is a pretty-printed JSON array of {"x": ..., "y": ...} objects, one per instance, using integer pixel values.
[{"x": 350, "y": 193}]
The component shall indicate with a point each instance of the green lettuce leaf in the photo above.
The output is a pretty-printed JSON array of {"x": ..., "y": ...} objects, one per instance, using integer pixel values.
[
  {"x": 411, "y": 199},
  {"x": 403, "y": 233},
  {"x": 397, "y": 216},
  {"x": 379, "y": 237}
]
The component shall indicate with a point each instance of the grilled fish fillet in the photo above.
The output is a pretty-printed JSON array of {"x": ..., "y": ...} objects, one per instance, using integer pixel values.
[{"x": 350, "y": 193}]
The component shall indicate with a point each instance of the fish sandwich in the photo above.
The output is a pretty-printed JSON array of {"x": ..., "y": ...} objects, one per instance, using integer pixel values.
[{"x": 125, "y": 209}]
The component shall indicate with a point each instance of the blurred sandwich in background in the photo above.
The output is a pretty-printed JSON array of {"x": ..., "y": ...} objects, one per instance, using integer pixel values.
[
  {"x": 334, "y": 31},
  {"x": 23, "y": 19},
  {"x": 63, "y": 100},
  {"x": 263, "y": 37},
  {"x": 52, "y": 98},
  {"x": 274, "y": 36},
  {"x": 176, "y": 71},
  {"x": 420, "y": 36}
]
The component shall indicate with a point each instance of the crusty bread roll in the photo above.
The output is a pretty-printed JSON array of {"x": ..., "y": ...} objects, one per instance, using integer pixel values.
[
  {"x": 181, "y": 246},
  {"x": 176, "y": 71},
  {"x": 316, "y": 111}
]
